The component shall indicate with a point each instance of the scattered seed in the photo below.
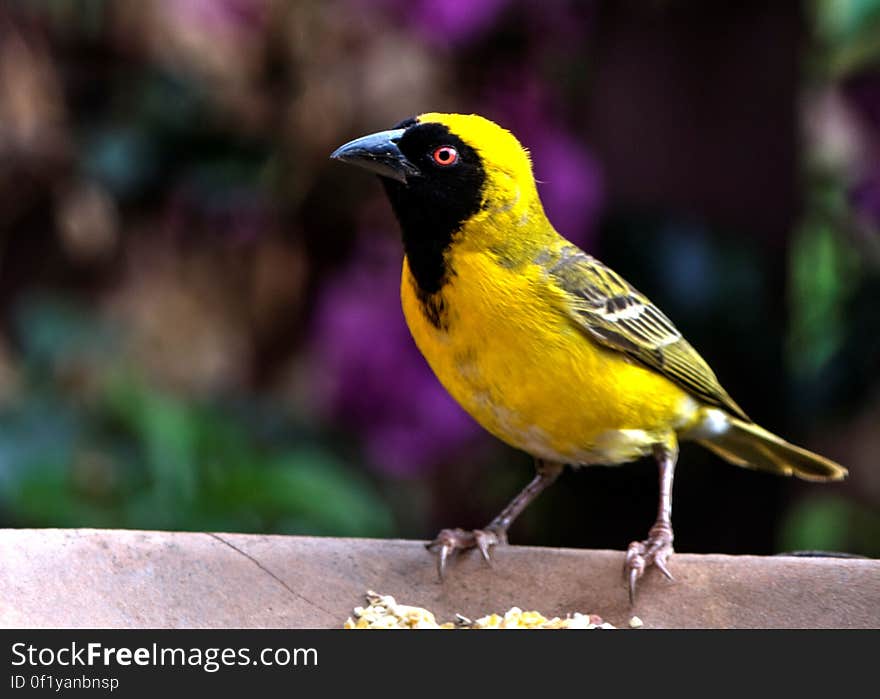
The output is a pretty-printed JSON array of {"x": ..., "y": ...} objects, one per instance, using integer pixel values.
[{"x": 384, "y": 612}]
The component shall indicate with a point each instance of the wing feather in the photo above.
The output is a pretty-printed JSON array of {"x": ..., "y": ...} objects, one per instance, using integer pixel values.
[{"x": 616, "y": 315}]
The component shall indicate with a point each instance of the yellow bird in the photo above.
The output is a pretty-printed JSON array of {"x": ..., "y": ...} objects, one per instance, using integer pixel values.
[{"x": 547, "y": 348}]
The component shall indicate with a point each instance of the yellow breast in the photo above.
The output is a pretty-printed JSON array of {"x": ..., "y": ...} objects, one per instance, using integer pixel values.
[{"x": 508, "y": 353}]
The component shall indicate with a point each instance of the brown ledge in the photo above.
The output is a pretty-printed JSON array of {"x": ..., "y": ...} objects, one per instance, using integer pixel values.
[{"x": 135, "y": 579}]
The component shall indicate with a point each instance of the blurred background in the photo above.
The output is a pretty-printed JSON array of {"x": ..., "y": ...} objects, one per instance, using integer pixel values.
[{"x": 200, "y": 326}]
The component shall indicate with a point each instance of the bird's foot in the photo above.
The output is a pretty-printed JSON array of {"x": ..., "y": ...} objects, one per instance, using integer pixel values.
[
  {"x": 653, "y": 551},
  {"x": 449, "y": 541}
]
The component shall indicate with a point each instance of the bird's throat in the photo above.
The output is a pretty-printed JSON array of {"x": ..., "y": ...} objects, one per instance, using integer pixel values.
[
  {"x": 428, "y": 259},
  {"x": 428, "y": 230},
  {"x": 430, "y": 272}
]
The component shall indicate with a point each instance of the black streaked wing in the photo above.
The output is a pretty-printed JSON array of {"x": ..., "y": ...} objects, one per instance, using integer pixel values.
[{"x": 616, "y": 315}]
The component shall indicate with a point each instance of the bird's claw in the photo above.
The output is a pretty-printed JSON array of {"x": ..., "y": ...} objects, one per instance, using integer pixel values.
[
  {"x": 448, "y": 541},
  {"x": 653, "y": 551}
]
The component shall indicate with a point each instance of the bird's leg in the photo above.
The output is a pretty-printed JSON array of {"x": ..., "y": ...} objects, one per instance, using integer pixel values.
[
  {"x": 449, "y": 541},
  {"x": 656, "y": 549}
]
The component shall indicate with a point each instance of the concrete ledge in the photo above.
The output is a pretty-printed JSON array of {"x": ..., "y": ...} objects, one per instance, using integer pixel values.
[{"x": 136, "y": 579}]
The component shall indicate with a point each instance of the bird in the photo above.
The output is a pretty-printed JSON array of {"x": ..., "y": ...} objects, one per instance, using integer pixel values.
[{"x": 547, "y": 348}]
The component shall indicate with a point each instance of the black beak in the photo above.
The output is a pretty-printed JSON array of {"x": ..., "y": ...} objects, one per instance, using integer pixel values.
[{"x": 378, "y": 153}]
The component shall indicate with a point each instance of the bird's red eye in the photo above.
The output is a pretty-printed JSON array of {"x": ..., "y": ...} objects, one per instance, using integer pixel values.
[{"x": 445, "y": 156}]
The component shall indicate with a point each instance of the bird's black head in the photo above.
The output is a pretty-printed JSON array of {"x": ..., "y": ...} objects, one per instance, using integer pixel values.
[{"x": 435, "y": 182}]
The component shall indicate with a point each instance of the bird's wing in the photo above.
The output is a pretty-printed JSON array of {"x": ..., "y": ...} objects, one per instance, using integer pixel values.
[{"x": 613, "y": 313}]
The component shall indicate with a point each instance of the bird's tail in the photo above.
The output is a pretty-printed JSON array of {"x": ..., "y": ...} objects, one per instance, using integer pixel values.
[{"x": 746, "y": 444}]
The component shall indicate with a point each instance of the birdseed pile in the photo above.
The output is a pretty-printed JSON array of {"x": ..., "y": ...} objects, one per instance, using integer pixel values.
[{"x": 383, "y": 612}]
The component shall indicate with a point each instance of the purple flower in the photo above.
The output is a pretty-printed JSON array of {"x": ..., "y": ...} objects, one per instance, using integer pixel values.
[
  {"x": 369, "y": 375},
  {"x": 454, "y": 21},
  {"x": 443, "y": 22}
]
